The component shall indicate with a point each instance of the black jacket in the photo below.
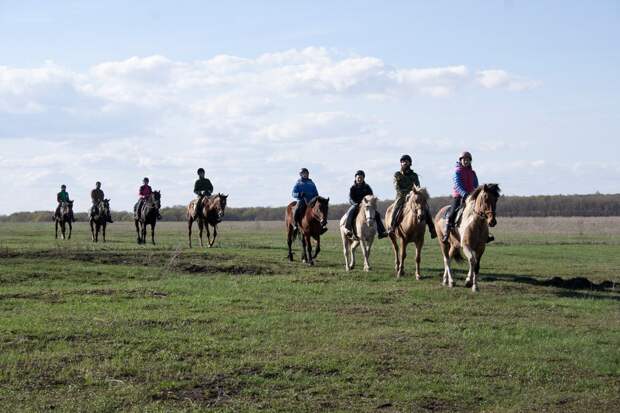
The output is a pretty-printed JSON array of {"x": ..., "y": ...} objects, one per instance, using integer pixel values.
[{"x": 358, "y": 192}]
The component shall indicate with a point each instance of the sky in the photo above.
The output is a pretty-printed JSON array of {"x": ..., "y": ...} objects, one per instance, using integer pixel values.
[{"x": 252, "y": 91}]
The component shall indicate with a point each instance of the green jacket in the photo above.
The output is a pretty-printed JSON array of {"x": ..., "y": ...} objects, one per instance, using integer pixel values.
[
  {"x": 404, "y": 182},
  {"x": 203, "y": 185},
  {"x": 62, "y": 196}
]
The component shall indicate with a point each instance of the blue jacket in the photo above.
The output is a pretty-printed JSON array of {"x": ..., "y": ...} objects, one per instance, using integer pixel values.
[
  {"x": 306, "y": 187},
  {"x": 464, "y": 181}
]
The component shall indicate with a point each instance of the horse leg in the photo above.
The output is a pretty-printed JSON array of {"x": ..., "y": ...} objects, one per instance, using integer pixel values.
[
  {"x": 143, "y": 226},
  {"x": 56, "y": 229},
  {"x": 354, "y": 246},
  {"x": 190, "y": 222},
  {"x": 345, "y": 251},
  {"x": 137, "y": 231},
  {"x": 214, "y": 235},
  {"x": 152, "y": 233},
  {"x": 92, "y": 231},
  {"x": 289, "y": 242},
  {"x": 70, "y": 228},
  {"x": 103, "y": 230},
  {"x": 470, "y": 281},
  {"x": 63, "y": 229},
  {"x": 403, "y": 255},
  {"x": 304, "y": 255},
  {"x": 200, "y": 229},
  {"x": 418, "y": 258},
  {"x": 318, "y": 247},
  {"x": 309, "y": 248},
  {"x": 366, "y": 253},
  {"x": 396, "y": 253}
]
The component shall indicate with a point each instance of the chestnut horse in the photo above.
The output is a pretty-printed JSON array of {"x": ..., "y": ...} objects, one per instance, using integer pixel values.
[
  {"x": 411, "y": 229},
  {"x": 211, "y": 213},
  {"x": 472, "y": 233},
  {"x": 99, "y": 220},
  {"x": 63, "y": 218},
  {"x": 147, "y": 215},
  {"x": 311, "y": 226}
]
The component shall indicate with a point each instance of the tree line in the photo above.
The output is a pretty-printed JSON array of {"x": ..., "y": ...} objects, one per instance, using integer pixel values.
[{"x": 592, "y": 205}]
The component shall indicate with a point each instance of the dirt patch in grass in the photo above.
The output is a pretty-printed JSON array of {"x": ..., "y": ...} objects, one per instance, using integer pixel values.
[{"x": 233, "y": 269}]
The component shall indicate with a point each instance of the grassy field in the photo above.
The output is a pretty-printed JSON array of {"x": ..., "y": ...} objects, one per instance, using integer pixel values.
[{"x": 119, "y": 326}]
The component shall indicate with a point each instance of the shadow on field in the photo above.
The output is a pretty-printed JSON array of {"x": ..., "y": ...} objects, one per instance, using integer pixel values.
[{"x": 576, "y": 283}]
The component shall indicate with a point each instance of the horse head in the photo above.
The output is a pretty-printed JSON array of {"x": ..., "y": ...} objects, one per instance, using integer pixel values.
[
  {"x": 418, "y": 201},
  {"x": 484, "y": 199},
  {"x": 156, "y": 199},
  {"x": 220, "y": 205},
  {"x": 319, "y": 207},
  {"x": 105, "y": 205},
  {"x": 369, "y": 206}
]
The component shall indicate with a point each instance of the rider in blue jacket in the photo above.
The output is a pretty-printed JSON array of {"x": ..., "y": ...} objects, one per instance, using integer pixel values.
[{"x": 303, "y": 191}]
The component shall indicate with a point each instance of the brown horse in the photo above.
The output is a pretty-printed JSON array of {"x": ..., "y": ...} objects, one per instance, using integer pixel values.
[
  {"x": 411, "y": 229},
  {"x": 311, "y": 226},
  {"x": 211, "y": 213},
  {"x": 472, "y": 234},
  {"x": 99, "y": 220},
  {"x": 147, "y": 215},
  {"x": 63, "y": 218}
]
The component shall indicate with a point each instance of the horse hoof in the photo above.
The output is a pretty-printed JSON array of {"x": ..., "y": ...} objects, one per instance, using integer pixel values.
[
  {"x": 418, "y": 277},
  {"x": 450, "y": 284},
  {"x": 474, "y": 289},
  {"x": 468, "y": 284}
]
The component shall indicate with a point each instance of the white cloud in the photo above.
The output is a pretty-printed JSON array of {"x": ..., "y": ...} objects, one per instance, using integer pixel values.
[{"x": 494, "y": 78}]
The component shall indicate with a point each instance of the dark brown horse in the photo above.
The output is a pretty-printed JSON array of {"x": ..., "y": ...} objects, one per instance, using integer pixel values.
[
  {"x": 99, "y": 219},
  {"x": 64, "y": 217},
  {"x": 311, "y": 226},
  {"x": 211, "y": 213},
  {"x": 471, "y": 235},
  {"x": 147, "y": 215}
]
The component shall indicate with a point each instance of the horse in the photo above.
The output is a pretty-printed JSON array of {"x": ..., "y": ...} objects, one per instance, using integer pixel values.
[
  {"x": 411, "y": 229},
  {"x": 365, "y": 229},
  {"x": 311, "y": 226},
  {"x": 99, "y": 220},
  {"x": 147, "y": 215},
  {"x": 471, "y": 237},
  {"x": 211, "y": 213},
  {"x": 64, "y": 217}
]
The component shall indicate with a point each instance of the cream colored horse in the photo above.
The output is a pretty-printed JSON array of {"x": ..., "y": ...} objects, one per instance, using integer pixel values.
[
  {"x": 365, "y": 228},
  {"x": 472, "y": 234},
  {"x": 411, "y": 229}
]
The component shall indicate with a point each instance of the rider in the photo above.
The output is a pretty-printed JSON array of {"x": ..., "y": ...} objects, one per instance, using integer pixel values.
[
  {"x": 144, "y": 193},
  {"x": 63, "y": 196},
  {"x": 202, "y": 189},
  {"x": 358, "y": 191},
  {"x": 404, "y": 180},
  {"x": 304, "y": 191},
  {"x": 97, "y": 196},
  {"x": 464, "y": 181}
]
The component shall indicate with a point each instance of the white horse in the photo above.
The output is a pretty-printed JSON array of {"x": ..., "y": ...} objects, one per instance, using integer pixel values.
[{"x": 365, "y": 228}]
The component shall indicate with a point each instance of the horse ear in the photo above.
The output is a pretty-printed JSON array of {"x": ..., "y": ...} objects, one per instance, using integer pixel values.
[
  {"x": 486, "y": 187},
  {"x": 327, "y": 199}
]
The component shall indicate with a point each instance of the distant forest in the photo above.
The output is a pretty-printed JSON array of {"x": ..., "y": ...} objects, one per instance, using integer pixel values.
[{"x": 593, "y": 205}]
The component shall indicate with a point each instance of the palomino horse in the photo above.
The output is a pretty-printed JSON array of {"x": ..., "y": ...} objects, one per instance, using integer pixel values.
[
  {"x": 211, "y": 213},
  {"x": 411, "y": 229},
  {"x": 63, "y": 218},
  {"x": 147, "y": 215},
  {"x": 365, "y": 229},
  {"x": 311, "y": 226},
  {"x": 472, "y": 235},
  {"x": 99, "y": 220}
]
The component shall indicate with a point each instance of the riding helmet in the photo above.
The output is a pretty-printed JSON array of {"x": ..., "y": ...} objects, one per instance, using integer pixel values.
[
  {"x": 406, "y": 158},
  {"x": 145, "y": 179},
  {"x": 360, "y": 173},
  {"x": 304, "y": 170},
  {"x": 200, "y": 170},
  {"x": 465, "y": 155}
]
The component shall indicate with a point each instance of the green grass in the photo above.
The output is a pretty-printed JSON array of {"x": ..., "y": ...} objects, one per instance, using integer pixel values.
[{"x": 119, "y": 326}]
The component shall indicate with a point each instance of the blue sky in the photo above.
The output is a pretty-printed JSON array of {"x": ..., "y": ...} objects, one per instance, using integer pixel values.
[{"x": 114, "y": 91}]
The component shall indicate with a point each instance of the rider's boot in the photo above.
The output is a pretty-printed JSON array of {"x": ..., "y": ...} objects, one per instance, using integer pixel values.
[{"x": 446, "y": 232}]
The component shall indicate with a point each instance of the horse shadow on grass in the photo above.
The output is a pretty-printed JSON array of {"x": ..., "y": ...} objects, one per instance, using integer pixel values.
[{"x": 576, "y": 287}]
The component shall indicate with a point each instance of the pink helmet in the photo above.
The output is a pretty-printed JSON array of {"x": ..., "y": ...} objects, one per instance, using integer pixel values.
[{"x": 465, "y": 155}]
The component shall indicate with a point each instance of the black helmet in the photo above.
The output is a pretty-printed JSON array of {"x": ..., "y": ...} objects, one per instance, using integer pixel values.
[
  {"x": 200, "y": 171},
  {"x": 406, "y": 158},
  {"x": 63, "y": 186},
  {"x": 303, "y": 170},
  {"x": 360, "y": 173},
  {"x": 145, "y": 179},
  {"x": 97, "y": 183}
]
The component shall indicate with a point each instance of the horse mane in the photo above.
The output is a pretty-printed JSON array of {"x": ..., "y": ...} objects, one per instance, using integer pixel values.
[
  {"x": 422, "y": 192},
  {"x": 371, "y": 199},
  {"x": 315, "y": 199},
  {"x": 493, "y": 189}
]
